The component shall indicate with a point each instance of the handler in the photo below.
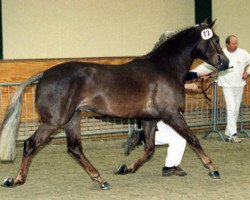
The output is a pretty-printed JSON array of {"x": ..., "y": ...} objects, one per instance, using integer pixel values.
[{"x": 232, "y": 82}]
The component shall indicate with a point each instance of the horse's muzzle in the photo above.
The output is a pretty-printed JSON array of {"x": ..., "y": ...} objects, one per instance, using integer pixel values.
[{"x": 222, "y": 63}]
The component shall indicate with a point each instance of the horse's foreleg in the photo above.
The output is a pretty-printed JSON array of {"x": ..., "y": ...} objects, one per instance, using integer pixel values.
[
  {"x": 31, "y": 145},
  {"x": 149, "y": 128},
  {"x": 179, "y": 125},
  {"x": 73, "y": 133}
]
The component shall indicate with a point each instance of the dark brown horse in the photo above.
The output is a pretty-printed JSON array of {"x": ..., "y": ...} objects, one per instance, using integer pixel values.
[{"x": 150, "y": 88}]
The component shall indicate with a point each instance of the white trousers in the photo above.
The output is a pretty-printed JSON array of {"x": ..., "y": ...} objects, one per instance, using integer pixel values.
[
  {"x": 177, "y": 144},
  {"x": 233, "y": 97}
]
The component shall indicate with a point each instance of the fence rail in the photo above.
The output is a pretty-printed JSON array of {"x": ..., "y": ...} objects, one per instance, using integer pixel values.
[{"x": 198, "y": 113}]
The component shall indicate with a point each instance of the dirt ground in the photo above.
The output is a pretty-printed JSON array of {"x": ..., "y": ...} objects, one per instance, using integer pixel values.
[{"x": 55, "y": 175}]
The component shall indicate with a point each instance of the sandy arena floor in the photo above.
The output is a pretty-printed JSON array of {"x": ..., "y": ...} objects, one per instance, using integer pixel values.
[{"x": 55, "y": 175}]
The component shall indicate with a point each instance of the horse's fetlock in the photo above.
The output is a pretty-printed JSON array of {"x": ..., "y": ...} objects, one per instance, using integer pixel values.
[
  {"x": 19, "y": 181},
  {"x": 97, "y": 177},
  {"x": 208, "y": 161}
]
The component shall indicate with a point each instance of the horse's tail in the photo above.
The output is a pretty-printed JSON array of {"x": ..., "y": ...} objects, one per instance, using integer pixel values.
[{"x": 10, "y": 123}]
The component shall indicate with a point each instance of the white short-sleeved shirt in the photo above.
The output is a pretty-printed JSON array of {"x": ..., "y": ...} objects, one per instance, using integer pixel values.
[{"x": 239, "y": 59}]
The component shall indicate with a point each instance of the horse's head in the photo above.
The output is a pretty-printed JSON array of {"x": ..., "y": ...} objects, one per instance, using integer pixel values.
[{"x": 209, "y": 49}]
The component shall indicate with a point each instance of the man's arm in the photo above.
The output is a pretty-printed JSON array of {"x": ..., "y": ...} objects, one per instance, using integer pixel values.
[{"x": 203, "y": 69}]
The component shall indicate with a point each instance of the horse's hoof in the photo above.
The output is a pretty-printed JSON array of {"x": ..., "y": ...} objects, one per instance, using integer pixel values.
[
  {"x": 214, "y": 174},
  {"x": 121, "y": 169},
  {"x": 8, "y": 182},
  {"x": 105, "y": 185}
]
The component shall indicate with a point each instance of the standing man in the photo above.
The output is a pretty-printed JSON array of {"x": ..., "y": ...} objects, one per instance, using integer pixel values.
[{"x": 232, "y": 82}]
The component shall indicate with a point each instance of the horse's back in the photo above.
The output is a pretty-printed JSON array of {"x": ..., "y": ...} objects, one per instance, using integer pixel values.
[{"x": 128, "y": 90}]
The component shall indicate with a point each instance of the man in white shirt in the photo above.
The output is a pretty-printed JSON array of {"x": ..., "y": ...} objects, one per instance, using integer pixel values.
[{"x": 232, "y": 82}]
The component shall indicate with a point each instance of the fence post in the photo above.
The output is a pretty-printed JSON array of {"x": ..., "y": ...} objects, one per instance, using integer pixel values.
[
  {"x": 242, "y": 120},
  {"x": 214, "y": 116},
  {"x": 242, "y": 130}
]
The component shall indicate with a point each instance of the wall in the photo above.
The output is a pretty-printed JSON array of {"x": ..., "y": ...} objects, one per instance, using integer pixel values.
[
  {"x": 233, "y": 18},
  {"x": 84, "y": 28}
]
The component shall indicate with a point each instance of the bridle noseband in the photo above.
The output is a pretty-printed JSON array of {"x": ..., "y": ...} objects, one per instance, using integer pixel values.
[{"x": 219, "y": 65}]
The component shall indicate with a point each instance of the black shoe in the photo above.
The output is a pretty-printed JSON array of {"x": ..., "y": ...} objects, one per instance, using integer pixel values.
[
  {"x": 170, "y": 171},
  {"x": 135, "y": 139}
]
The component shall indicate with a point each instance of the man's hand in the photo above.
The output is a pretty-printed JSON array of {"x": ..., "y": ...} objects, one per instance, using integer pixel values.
[
  {"x": 191, "y": 86},
  {"x": 245, "y": 75}
]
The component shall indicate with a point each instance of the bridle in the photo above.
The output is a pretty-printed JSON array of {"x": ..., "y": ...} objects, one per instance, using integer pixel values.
[
  {"x": 219, "y": 67},
  {"x": 219, "y": 64},
  {"x": 207, "y": 34}
]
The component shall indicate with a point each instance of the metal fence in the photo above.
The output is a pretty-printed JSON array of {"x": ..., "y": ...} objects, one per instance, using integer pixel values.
[{"x": 198, "y": 113}]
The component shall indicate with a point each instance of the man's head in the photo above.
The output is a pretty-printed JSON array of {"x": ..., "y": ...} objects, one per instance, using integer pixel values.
[{"x": 231, "y": 43}]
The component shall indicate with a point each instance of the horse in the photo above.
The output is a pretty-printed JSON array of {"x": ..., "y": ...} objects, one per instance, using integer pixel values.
[{"x": 149, "y": 88}]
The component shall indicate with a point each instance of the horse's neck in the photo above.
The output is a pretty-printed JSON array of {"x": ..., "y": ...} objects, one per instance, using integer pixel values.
[{"x": 178, "y": 63}]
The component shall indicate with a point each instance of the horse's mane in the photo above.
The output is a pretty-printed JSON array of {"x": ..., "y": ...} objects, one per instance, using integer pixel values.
[{"x": 165, "y": 38}]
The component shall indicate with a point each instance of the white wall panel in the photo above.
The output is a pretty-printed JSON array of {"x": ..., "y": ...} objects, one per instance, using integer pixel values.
[{"x": 84, "y": 28}]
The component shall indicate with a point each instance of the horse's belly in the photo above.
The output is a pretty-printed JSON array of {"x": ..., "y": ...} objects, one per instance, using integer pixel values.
[{"x": 122, "y": 107}]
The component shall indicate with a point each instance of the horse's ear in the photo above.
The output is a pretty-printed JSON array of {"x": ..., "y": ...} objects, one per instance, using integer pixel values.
[{"x": 211, "y": 24}]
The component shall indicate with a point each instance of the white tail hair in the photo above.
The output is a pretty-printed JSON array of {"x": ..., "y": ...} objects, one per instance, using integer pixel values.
[{"x": 10, "y": 124}]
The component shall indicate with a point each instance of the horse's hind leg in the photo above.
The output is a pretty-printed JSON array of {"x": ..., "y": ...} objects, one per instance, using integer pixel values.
[
  {"x": 31, "y": 145},
  {"x": 149, "y": 128},
  {"x": 179, "y": 125},
  {"x": 73, "y": 133}
]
